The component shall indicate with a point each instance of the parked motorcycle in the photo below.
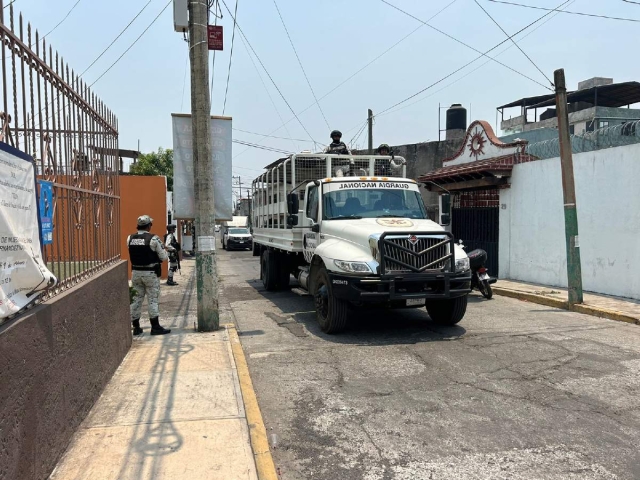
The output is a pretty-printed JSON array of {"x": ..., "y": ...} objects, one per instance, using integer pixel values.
[{"x": 480, "y": 279}]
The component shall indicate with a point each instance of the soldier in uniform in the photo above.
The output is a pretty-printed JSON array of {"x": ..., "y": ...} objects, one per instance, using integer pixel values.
[
  {"x": 147, "y": 253},
  {"x": 337, "y": 146},
  {"x": 173, "y": 247}
]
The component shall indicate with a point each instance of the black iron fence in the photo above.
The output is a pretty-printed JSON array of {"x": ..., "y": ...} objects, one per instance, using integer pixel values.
[{"x": 49, "y": 112}]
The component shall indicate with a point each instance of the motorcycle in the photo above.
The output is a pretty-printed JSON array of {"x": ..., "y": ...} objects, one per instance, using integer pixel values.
[{"x": 480, "y": 279}]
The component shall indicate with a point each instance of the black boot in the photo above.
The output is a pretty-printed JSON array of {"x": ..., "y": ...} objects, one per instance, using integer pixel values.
[
  {"x": 156, "y": 329},
  {"x": 137, "y": 330},
  {"x": 171, "y": 283}
]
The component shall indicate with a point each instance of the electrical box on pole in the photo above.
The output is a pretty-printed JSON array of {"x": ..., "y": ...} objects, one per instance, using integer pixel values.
[{"x": 181, "y": 15}]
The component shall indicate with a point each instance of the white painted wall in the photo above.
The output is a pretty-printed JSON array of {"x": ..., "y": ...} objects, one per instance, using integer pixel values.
[{"x": 532, "y": 242}]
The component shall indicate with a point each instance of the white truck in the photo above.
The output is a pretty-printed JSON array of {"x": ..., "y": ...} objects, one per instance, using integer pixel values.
[{"x": 354, "y": 232}]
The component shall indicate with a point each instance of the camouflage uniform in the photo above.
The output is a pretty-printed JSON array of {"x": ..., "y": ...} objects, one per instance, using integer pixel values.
[
  {"x": 170, "y": 240},
  {"x": 147, "y": 283}
]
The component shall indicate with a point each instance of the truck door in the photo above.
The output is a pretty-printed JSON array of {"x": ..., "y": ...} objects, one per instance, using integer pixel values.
[{"x": 312, "y": 215}]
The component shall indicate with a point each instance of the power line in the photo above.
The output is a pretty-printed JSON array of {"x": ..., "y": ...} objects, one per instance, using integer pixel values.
[
  {"x": 184, "y": 81},
  {"x": 233, "y": 36},
  {"x": 464, "y": 44},
  {"x": 478, "y": 67},
  {"x": 567, "y": 11},
  {"x": 116, "y": 39},
  {"x": 247, "y": 168},
  {"x": 10, "y": 3},
  {"x": 134, "y": 42},
  {"x": 362, "y": 68},
  {"x": 472, "y": 61},
  {"x": 268, "y": 74},
  {"x": 514, "y": 42},
  {"x": 301, "y": 66},
  {"x": 262, "y": 147},
  {"x": 275, "y": 107},
  {"x": 61, "y": 21},
  {"x": 270, "y": 136}
]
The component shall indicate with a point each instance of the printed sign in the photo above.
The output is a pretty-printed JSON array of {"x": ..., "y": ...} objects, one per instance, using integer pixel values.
[
  {"x": 45, "y": 208},
  {"x": 214, "y": 37},
  {"x": 23, "y": 274},
  {"x": 333, "y": 186},
  {"x": 183, "y": 189}
]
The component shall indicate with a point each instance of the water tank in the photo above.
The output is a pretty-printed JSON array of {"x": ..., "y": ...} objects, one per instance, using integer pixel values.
[{"x": 456, "y": 117}]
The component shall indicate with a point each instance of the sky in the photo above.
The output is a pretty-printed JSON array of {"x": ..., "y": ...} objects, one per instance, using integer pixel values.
[{"x": 334, "y": 39}]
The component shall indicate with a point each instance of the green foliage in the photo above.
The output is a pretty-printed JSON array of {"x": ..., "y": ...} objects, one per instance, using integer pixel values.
[
  {"x": 155, "y": 163},
  {"x": 132, "y": 294}
]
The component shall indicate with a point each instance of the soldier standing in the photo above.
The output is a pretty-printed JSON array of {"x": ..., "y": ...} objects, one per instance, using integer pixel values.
[
  {"x": 173, "y": 247},
  {"x": 147, "y": 253}
]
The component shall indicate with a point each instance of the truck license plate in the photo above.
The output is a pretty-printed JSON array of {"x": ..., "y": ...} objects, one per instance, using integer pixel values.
[{"x": 412, "y": 302}]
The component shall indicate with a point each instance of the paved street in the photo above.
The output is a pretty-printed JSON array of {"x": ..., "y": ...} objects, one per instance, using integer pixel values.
[{"x": 516, "y": 391}]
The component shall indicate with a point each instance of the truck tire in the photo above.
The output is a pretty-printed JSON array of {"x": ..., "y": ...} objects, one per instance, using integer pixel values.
[
  {"x": 331, "y": 312},
  {"x": 447, "y": 312},
  {"x": 256, "y": 249},
  {"x": 269, "y": 270}
]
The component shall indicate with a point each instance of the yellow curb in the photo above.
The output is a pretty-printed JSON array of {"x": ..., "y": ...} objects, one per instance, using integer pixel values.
[
  {"x": 257, "y": 431},
  {"x": 557, "y": 303}
]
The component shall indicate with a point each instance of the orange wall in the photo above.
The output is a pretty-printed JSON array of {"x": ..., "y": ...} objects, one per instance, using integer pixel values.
[{"x": 142, "y": 196}]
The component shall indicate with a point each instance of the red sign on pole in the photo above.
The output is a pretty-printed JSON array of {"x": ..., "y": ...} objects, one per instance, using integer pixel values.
[{"x": 214, "y": 37}]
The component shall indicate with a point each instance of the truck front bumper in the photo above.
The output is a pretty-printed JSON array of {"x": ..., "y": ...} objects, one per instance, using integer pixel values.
[
  {"x": 399, "y": 288},
  {"x": 233, "y": 244}
]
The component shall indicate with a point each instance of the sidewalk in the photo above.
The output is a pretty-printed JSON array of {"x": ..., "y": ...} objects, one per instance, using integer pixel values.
[
  {"x": 174, "y": 409},
  {"x": 605, "y": 306}
]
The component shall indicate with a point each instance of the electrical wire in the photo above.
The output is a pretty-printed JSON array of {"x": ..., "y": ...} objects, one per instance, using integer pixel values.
[
  {"x": 116, "y": 39},
  {"x": 270, "y": 136},
  {"x": 567, "y": 11},
  {"x": 184, "y": 81},
  {"x": 262, "y": 147},
  {"x": 61, "y": 21},
  {"x": 358, "y": 133},
  {"x": 464, "y": 44},
  {"x": 247, "y": 168},
  {"x": 233, "y": 36},
  {"x": 472, "y": 61},
  {"x": 514, "y": 42},
  {"x": 361, "y": 69},
  {"x": 275, "y": 107},
  {"x": 301, "y": 66},
  {"x": 478, "y": 67},
  {"x": 134, "y": 42},
  {"x": 10, "y": 3},
  {"x": 268, "y": 74}
]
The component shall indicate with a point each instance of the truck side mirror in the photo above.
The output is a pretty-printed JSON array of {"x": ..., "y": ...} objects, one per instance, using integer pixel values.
[
  {"x": 315, "y": 228},
  {"x": 293, "y": 203},
  {"x": 445, "y": 209},
  {"x": 292, "y": 221}
]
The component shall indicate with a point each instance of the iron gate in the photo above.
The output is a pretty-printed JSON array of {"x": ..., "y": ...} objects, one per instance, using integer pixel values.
[{"x": 475, "y": 221}]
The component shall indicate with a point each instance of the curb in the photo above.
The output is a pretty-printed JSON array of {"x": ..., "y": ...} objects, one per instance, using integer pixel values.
[
  {"x": 257, "y": 432},
  {"x": 563, "y": 304}
]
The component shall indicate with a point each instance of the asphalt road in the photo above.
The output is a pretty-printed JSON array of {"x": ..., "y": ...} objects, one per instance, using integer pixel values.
[{"x": 516, "y": 391}]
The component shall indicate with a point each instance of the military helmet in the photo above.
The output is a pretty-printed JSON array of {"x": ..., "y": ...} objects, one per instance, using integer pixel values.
[
  {"x": 144, "y": 220},
  {"x": 336, "y": 133},
  {"x": 171, "y": 227},
  {"x": 383, "y": 146}
]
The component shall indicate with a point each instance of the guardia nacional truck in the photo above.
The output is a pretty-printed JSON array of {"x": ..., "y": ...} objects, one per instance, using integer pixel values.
[{"x": 354, "y": 232}]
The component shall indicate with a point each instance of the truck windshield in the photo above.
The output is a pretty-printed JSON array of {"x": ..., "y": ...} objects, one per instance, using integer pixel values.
[
  {"x": 238, "y": 231},
  {"x": 373, "y": 203}
]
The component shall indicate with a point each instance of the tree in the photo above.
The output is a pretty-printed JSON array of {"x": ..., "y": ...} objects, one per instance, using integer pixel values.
[{"x": 155, "y": 163}]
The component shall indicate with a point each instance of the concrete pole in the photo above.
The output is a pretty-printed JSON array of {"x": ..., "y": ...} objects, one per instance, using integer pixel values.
[
  {"x": 574, "y": 268},
  {"x": 206, "y": 268},
  {"x": 370, "y": 121}
]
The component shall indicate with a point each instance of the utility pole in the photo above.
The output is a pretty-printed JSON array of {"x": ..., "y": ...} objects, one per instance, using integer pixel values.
[
  {"x": 370, "y": 121},
  {"x": 574, "y": 268},
  {"x": 206, "y": 268}
]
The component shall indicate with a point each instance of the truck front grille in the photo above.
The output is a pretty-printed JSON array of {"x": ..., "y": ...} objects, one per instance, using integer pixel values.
[{"x": 416, "y": 253}]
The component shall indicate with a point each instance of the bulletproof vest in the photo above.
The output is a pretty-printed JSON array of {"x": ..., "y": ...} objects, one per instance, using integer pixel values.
[
  {"x": 174, "y": 241},
  {"x": 140, "y": 251},
  {"x": 338, "y": 148}
]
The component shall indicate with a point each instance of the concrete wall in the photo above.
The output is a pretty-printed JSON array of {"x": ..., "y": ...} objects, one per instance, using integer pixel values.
[
  {"x": 142, "y": 196},
  {"x": 532, "y": 243},
  {"x": 55, "y": 362}
]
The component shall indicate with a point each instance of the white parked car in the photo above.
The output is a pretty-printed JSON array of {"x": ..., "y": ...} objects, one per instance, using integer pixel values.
[{"x": 237, "y": 238}]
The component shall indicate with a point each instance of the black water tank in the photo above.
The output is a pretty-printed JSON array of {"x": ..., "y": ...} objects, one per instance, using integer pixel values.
[{"x": 456, "y": 117}]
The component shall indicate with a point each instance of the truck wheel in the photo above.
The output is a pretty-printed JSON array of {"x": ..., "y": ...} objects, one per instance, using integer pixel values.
[
  {"x": 269, "y": 270},
  {"x": 331, "y": 312},
  {"x": 447, "y": 312},
  {"x": 256, "y": 249}
]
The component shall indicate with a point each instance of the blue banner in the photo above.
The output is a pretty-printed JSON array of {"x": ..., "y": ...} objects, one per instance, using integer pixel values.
[{"x": 45, "y": 207}]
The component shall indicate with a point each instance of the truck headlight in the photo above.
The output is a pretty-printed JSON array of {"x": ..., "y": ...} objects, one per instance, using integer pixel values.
[
  {"x": 462, "y": 264},
  {"x": 353, "y": 267}
]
